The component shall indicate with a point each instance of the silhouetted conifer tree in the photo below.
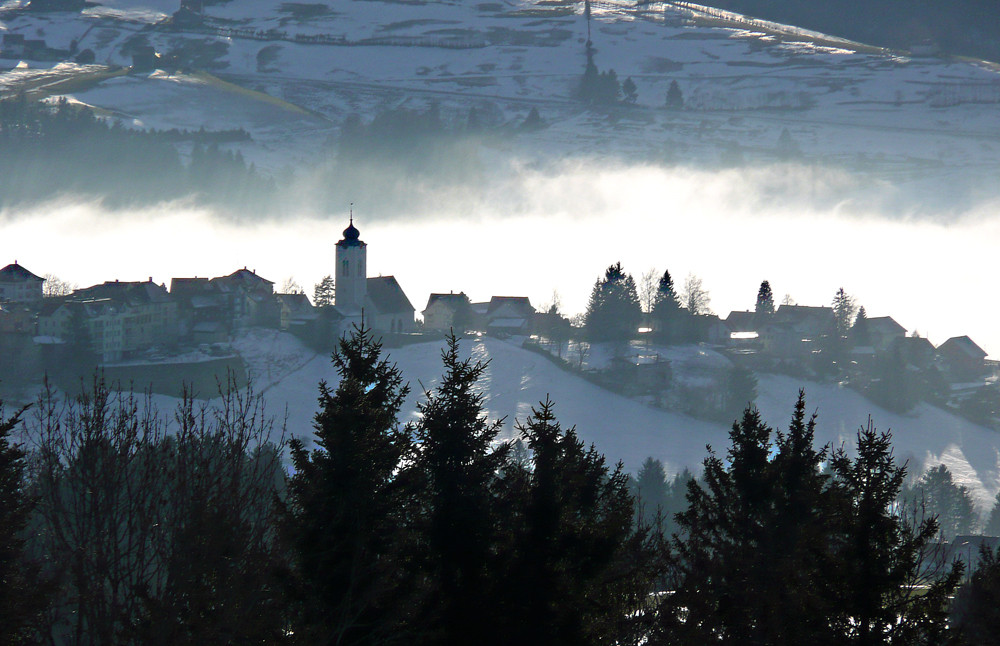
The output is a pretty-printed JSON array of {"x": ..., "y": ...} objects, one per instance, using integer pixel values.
[
  {"x": 776, "y": 550},
  {"x": 992, "y": 525},
  {"x": 348, "y": 504},
  {"x": 459, "y": 463},
  {"x": 892, "y": 585},
  {"x": 630, "y": 91},
  {"x": 765, "y": 300},
  {"x": 666, "y": 309},
  {"x": 613, "y": 312},
  {"x": 975, "y": 612},
  {"x": 860, "y": 334},
  {"x": 324, "y": 292},
  {"x": 581, "y": 568},
  {"x": 937, "y": 494},
  {"x": 675, "y": 99}
]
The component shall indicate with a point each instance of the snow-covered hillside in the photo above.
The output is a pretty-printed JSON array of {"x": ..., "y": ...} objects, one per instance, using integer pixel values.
[
  {"x": 624, "y": 429},
  {"x": 905, "y": 118}
]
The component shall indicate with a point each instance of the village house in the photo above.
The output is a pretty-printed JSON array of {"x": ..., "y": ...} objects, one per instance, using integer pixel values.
[
  {"x": 915, "y": 351},
  {"x": 19, "y": 285},
  {"x": 116, "y": 319},
  {"x": 147, "y": 313},
  {"x": 250, "y": 298},
  {"x": 444, "y": 310},
  {"x": 961, "y": 359},
  {"x": 795, "y": 331},
  {"x": 509, "y": 315},
  {"x": 18, "y": 353},
  {"x": 883, "y": 331},
  {"x": 298, "y": 315},
  {"x": 210, "y": 310}
]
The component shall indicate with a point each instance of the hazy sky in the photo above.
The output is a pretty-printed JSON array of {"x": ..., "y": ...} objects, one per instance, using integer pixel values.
[{"x": 805, "y": 230}]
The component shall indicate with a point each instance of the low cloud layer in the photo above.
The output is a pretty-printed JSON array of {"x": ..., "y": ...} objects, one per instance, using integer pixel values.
[{"x": 806, "y": 229}]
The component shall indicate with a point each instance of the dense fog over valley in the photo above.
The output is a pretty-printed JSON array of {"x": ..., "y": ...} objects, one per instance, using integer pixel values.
[{"x": 806, "y": 229}]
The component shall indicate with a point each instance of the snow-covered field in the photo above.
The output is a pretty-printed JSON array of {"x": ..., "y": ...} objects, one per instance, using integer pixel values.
[
  {"x": 903, "y": 117},
  {"x": 624, "y": 429}
]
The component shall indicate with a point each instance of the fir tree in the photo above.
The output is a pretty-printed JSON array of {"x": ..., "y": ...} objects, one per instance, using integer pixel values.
[
  {"x": 459, "y": 463},
  {"x": 975, "y": 613},
  {"x": 936, "y": 494},
  {"x": 776, "y": 550},
  {"x": 323, "y": 292},
  {"x": 582, "y": 569},
  {"x": 860, "y": 333},
  {"x": 675, "y": 99},
  {"x": 630, "y": 91},
  {"x": 348, "y": 501},
  {"x": 749, "y": 556},
  {"x": 613, "y": 312},
  {"x": 666, "y": 308},
  {"x": 891, "y": 588},
  {"x": 992, "y": 526},
  {"x": 652, "y": 490},
  {"x": 765, "y": 300},
  {"x": 843, "y": 312}
]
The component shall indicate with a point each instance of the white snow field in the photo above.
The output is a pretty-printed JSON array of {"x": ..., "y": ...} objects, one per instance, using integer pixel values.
[
  {"x": 904, "y": 118},
  {"x": 627, "y": 430}
]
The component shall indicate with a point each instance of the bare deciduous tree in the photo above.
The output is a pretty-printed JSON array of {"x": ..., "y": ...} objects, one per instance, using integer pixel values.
[
  {"x": 155, "y": 534},
  {"x": 695, "y": 297},
  {"x": 291, "y": 286},
  {"x": 649, "y": 286},
  {"x": 55, "y": 286}
]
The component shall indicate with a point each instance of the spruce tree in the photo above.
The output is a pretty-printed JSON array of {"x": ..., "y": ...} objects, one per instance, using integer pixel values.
[
  {"x": 765, "y": 300},
  {"x": 613, "y": 312},
  {"x": 323, "y": 292},
  {"x": 458, "y": 462},
  {"x": 843, "y": 312},
  {"x": 666, "y": 309},
  {"x": 775, "y": 549},
  {"x": 975, "y": 613},
  {"x": 892, "y": 588},
  {"x": 675, "y": 99},
  {"x": 581, "y": 569},
  {"x": 937, "y": 494},
  {"x": 992, "y": 525},
  {"x": 860, "y": 334},
  {"x": 348, "y": 505},
  {"x": 652, "y": 491},
  {"x": 749, "y": 558},
  {"x": 630, "y": 91}
]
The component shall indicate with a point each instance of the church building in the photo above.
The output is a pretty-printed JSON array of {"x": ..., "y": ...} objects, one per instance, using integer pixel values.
[{"x": 381, "y": 301}]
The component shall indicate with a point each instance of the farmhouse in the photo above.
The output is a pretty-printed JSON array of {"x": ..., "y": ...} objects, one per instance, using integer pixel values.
[{"x": 19, "y": 285}]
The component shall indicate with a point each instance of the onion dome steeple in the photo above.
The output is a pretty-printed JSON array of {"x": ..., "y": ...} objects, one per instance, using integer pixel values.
[{"x": 352, "y": 237}]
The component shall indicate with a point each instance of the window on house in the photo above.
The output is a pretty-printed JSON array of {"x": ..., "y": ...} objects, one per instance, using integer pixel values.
[{"x": 345, "y": 272}]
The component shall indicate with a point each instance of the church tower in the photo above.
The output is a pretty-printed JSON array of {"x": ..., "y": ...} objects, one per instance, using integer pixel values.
[{"x": 352, "y": 271}]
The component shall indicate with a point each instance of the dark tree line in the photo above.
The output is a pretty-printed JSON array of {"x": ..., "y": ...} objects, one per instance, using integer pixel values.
[
  {"x": 436, "y": 532},
  {"x": 65, "y": 149}
]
